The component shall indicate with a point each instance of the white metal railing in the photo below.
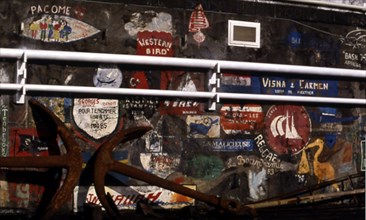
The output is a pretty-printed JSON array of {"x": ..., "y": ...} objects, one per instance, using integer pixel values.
[
  {"x": 177, "y": 62},
  {"x": 180, "y": 94},
  {"x": 214, "y": 67}
]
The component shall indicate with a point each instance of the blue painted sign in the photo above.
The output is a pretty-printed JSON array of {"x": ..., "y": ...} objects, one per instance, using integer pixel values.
[
  {"x": 300, "y": 87},
  {"x": 330, "y": 115},
  {"x": 232, "y": 145},
  {"x": 294, "y": 39},
  {"x": 238, "y": 83}
]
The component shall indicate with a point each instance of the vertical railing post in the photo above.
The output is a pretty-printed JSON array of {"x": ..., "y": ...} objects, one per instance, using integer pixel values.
[
  {"x": 21, "y": 77},
  {"x": 213, "y": 86}
]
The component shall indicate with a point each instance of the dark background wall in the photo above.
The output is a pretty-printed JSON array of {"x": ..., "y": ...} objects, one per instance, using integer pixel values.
[{"x": 231, "y": 151}]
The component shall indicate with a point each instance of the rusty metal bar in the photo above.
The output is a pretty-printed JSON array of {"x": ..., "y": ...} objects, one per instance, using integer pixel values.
[
  {"x": 305, "y": 199},
  {"x": 311, "y": 189},
  {"x": 104, "y": 163},
  {"x": 71, "y": 161}
]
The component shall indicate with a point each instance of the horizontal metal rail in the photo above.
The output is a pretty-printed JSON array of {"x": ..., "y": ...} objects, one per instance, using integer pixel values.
[
  {"x": 178, "y": 94},
  {"x": 24, "y": 55},
  {"x": 178, "y": 62}
]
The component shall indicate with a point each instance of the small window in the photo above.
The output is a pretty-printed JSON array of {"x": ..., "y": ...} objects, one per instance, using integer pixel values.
[{"x": 244, "y": 34}]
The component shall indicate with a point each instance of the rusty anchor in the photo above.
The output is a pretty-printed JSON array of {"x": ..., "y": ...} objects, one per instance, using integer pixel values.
[
  {"x": 104, "y": 163},
  {"x": 71, "y": 161}
]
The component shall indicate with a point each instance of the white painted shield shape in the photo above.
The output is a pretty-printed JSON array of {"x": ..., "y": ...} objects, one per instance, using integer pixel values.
[{"x": 96, "y": 117}]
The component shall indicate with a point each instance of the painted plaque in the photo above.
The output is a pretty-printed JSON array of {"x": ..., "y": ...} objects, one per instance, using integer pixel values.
[
  {"x": 182, "y": 81},
  {"x": 239, "y": 83},
  {"x": 154, "y": 43},
  {"x": 301, "y": 87},
  {"x": 288, "y": 128},
  {"x": 96, "y": 117},
  {"x": 27, "y": 142},
  {"x": 127, "y": 197},
  {"x": 201, "y": 126},
  {"x": 160, "y": 164},
  {"x": 237, "y": 119},
  {"x": 56, "y": 28}
]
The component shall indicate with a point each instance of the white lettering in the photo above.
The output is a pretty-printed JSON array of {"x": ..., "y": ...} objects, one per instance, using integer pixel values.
[
  {"x": 33, "y": 9},
  {"x": 273, "y": 83},
  {"x": 54, "y": 9},
  {"x": 350, "y": 56}
]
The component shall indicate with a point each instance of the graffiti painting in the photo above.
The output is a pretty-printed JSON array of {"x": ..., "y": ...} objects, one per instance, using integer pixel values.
[
  {"x": 237, "y": 119},
  {"x": 288, "y": 128},
  {"x": 57, "y": 28},
  {"x": 160, "y": 164},
  {"x": 96, "y": 117},
  {"x": 153, "y": 43},
  {"x": 198, "y": 22},
  {"x": 126, "y": 198},
  {"x": 200, "y": 126}
]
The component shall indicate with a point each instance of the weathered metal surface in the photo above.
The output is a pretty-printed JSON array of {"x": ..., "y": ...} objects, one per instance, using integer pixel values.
[{"x": 71, "y": 161}]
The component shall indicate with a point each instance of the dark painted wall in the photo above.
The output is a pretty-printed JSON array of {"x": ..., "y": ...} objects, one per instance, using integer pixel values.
[{"x": 243, "y": 150}]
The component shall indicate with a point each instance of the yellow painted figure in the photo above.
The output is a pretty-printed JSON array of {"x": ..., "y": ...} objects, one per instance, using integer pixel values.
[
  {"x": 34, "y": 27},
  {"x": 324, "y": 171}
]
